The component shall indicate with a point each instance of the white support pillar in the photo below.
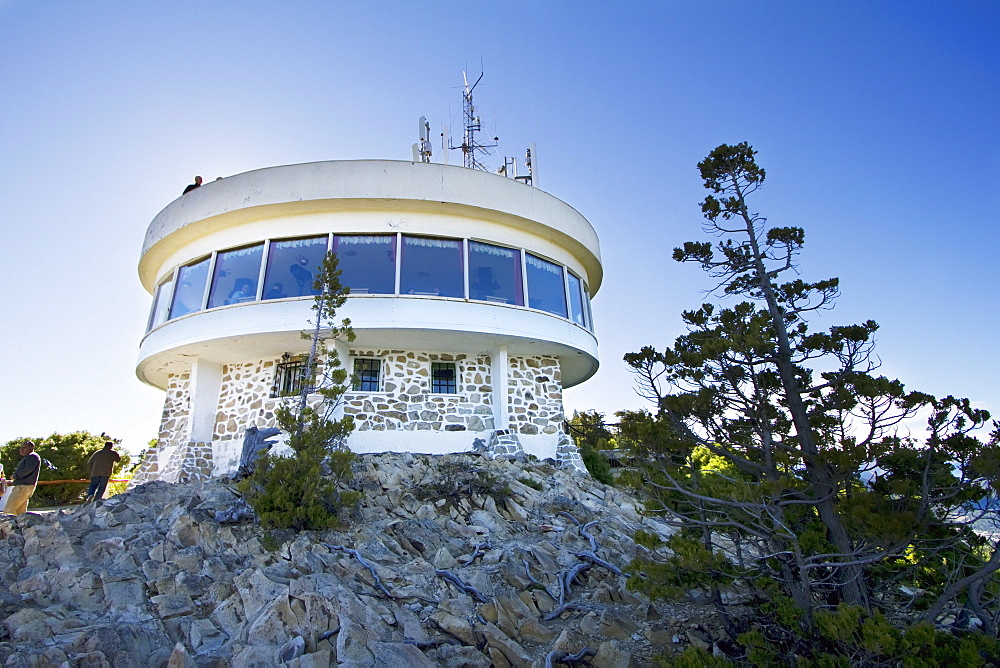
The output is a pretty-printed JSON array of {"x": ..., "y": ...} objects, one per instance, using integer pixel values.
[
  {"x": 206, "y": 383},
  {"x": 499, "y": 371}
]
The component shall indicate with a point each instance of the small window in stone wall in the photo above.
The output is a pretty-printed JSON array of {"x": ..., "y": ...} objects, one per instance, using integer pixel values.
[
  {"x": 367, "y": 374},
  {"x": 443, "y": 378},
  {"x": 288, "y": 378}
]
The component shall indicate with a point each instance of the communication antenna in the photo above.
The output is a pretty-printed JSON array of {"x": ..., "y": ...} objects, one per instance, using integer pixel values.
[
  {"x": 531, "y": 162},
  {"x": 470, "y": 147},
  {"x": 422, "y": 149}
]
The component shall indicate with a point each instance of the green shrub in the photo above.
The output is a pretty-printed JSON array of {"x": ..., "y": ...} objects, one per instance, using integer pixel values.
[
  {"x": 597, "y": 464},
  {"x": 293, "y": 493},
  {"x": 533, "y": 484},
  {"x": 457, "y": 481},
  {"x": 302, "y": 490}
]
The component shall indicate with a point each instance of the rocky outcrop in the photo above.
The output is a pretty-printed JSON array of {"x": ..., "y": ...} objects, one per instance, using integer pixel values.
[{"x": 452, "y": 560}]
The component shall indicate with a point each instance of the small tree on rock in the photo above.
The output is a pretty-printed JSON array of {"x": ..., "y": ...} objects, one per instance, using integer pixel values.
[
  {"x": 592, "y": 436},
  {"x": 302, "y": 491}
]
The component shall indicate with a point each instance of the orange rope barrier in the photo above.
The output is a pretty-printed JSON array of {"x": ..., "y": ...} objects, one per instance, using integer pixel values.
[{"x": 61, "y": 482}]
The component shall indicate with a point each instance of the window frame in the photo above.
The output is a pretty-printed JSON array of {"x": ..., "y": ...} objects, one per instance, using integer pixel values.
[
  {"x": 518, "y": 267},
  {"x": 217, "y": 284},
  {"x": 436, "y": 384},
  {"x": 406, "y": 273},
  {"x": 523, "y": 266},
  {"x": 282, "y": 371},
  {"x": 570, "y": 292},
  {"x": 561, "y": 282},
  {"x": 586, "y": 304},
  {"x": 270, "y": 273},
  {"x": 209, "y": 261},
  {"x": 393, "y": 250},
  {"x": 163, "y": 296},
  {"x": 358, "y": 381}
]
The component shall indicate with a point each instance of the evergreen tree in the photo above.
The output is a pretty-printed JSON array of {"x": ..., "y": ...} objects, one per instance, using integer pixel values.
[
  {"x": 774, "y": 448},
  {"x": 592, "y": 436},
  {"x": 302, "y": 491}
]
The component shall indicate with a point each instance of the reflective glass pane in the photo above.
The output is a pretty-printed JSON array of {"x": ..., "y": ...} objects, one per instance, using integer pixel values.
[
  {"x": 367, "y": 263},
  {"x": 545, "y": 286},
  {"x": 366, "y": 375},
  {"x": 236, "y": 275},
  {"x": 432, "y": 267},
  {"x": 577, "y": 312},
  {"x": 443, "y": 378},
  {"x": 495, "y": 274},
  {"x": 161, "y": 304},
  {"x": 190, "y": 290},
  {"x": 586, "y": 303},
  {"x": 290, "y": 267}
]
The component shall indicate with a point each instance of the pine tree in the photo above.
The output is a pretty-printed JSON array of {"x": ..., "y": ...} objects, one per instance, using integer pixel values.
[
  {"x": 302, "y": 491},
  {"x": 774, "y": 448}
]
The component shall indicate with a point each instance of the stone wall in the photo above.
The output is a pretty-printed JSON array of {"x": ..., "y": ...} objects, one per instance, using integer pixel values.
[
  {"x": 406, "y": 402},
  {"x": 245, "y": 399},
  {"x": 163, "y": 461},
  {"x": 534, "y": 401},
  {"x": 175, "y": 423},
  {"x": 190, "y": 462},
  {"x": 187, "y": 462}
]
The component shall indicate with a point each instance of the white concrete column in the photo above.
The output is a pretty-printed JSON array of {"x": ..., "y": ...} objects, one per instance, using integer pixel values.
[
  {"x": 206, "y": 383},
  {"x": 499, "y": 374}
]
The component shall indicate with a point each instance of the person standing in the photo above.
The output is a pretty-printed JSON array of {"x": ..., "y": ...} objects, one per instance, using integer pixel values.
[
  {"x": 102, "y": 464},
  {"x": 25, "y": 478}
]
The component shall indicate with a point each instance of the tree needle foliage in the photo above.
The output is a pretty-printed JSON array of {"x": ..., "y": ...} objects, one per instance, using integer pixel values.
[
  {"x": 303, "y": 490},
  {"x": 779, "y": 454}
]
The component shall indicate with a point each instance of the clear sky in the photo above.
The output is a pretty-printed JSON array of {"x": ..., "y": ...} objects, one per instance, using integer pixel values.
[{"x": 877, "y": 123}]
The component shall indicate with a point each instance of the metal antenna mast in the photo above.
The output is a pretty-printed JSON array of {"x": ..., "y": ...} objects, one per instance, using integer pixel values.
[{"x": 470, "y": 146}]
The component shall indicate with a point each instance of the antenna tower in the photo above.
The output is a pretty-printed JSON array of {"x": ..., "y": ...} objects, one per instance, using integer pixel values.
[{"x": 470, "y": 146}]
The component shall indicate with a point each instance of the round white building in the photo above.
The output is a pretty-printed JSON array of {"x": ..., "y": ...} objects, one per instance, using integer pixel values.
[{"x": 469, "y": 295}]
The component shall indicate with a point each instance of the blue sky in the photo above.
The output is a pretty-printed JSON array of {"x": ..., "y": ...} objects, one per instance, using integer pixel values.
[{"x": 877, "y": 123}]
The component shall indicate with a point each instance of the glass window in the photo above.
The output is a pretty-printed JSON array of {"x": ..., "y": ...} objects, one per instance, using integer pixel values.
[
  {"x": 161, "y": 304},
  {"x": 495, "y": 274},
  {"x": 545, "y": 286},
  {"x": 577, "y": 311},
  {"x": 288, "y": 378},
  {"x": 366, "y": 375},
  {"x": 190, "y": 290},
  {"x": 236, "y": 275},
  {"x": 290, "y": 267},
  {"x": 443, "y": 377},
  {"x": 367, "y": 263},
  {"x": 432, "y": 267},
  {"x": 586, "y": 303}
]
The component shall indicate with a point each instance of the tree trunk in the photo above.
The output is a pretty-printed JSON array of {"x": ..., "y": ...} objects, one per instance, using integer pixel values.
[{"x": 818, "y": 474}]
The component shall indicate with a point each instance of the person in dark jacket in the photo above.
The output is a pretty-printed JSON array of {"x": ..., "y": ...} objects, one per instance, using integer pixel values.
[
  {"x": 197, "y": 184},
  {"x": 25, "y": 477},
  {"x": 102, "y": 464}
]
